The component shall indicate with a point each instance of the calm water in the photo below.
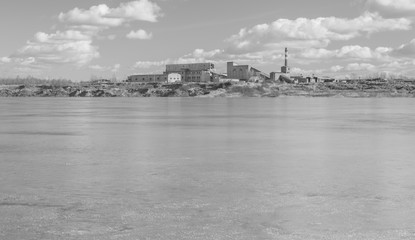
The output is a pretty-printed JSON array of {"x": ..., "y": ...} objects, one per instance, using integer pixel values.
[{"x": 287, "y": 168}]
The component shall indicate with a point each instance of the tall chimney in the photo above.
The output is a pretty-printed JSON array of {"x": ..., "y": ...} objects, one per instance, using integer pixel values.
[{"x": 286, "y": 57}]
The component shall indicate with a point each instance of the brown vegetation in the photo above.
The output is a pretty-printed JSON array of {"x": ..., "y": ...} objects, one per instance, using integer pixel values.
[{"x": 358, "y": 88}]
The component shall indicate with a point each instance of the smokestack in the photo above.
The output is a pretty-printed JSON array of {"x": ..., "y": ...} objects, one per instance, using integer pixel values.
[{"x": 286, "y": 57}]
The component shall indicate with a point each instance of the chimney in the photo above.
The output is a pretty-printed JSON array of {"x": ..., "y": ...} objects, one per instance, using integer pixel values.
[
  {"x": 286, "y": 57},
  {"x": 285, "y": 68}
]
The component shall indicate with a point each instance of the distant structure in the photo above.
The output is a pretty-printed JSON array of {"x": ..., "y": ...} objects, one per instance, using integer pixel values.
[
  {"x": 244, "y": 72},
  {"x": 284, "y": 75},
  {"x": 205, "y": 72},
  {"x": 193, "y": 72},
  {"x": 148, "y": 78},
  {"x": 285, "y": 68},
  {"x": 174, "y": 77}
]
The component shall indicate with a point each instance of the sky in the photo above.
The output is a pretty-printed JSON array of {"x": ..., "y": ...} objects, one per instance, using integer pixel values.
[{"x": 84, "y": 39}]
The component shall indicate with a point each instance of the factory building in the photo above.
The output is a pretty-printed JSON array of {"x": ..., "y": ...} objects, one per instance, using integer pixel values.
[
  {"x": 205, "y": 72},
  {"x": 194, "y": 72},
  {"x": 148, "y": 78},
  {"x": 245, "y": 72}
]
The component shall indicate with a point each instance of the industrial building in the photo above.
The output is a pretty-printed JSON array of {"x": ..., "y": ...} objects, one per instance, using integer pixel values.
[
  {"x": 193, "y": 72},
  {"x": 148, "y": 78},
  {"x": 174, "y": 77},
  {"x": 205, "y": 72},
  {"x": 245, "y": 72}
]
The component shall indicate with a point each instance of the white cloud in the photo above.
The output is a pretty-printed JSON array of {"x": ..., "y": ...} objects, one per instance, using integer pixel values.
[
  {"x": 198, "y": 55},
  {"x": 360, "y": 67},
  {"x": 67, "y": 47},
  {"x": 75, "y": 46},
  {"x": 143, "y": 10},
  {"x": 140, "y": 34},
  {"x": 113, "y": 69},
  {"x": 104, "y": 16},
  {"x": 307, "y": 40},
  {"x": 220, "y": 56},
  {"x": 5, "y": 60},
  {"x": 69, "y": 35},
  {"x": 96, "y": 67},
  {"x": 318, "y": 32},
  {"x": 96, "y": 15},
  {"x": 317, "y": 53},
  {"x": 356, "y": 52},
  {"x": 381, "y": 59},
  {"x": 392, "y": 8},
  {"x": 336, "y": 68},
  {"x": 406, "y": 50},
  {"x": 149, "y": 64},
  {"x": 27, "y": 61},
  {"x": 347, "y": 52},
  {"x": 297, "y": 70}
]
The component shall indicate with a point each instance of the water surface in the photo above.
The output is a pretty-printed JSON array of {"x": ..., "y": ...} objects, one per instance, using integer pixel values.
[{"x": 189, "y": 168}]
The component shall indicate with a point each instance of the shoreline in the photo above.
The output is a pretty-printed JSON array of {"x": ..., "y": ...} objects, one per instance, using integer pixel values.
[{"x": 356, "y": 89}]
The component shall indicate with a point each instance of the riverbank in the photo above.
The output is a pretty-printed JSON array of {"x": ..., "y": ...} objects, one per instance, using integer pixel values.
[{"x": 364, "y": 88}]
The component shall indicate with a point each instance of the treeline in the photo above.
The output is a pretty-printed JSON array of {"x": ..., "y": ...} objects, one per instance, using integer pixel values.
[
  {"x": 382, "y": 75},
  {"x": 31, "y": 81}
]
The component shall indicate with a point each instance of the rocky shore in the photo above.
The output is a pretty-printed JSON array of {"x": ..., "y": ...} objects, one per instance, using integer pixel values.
[{"x": 363, "y": 88}]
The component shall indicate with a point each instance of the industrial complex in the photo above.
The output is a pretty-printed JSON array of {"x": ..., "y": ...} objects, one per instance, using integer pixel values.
[{"x": 205, "y": 72}]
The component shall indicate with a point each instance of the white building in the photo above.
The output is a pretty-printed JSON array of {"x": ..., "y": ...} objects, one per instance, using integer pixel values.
[{"x": 174, "y": 77}]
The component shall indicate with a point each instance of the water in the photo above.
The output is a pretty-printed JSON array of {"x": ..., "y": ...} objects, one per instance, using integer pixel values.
[{"x": 177, "y": 168}]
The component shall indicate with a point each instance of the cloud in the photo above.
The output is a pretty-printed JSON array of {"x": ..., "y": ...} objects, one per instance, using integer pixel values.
[
  {"x": 220, "y": 56},
  {"x": 198, "y": 55},
  {"x": 307, "y": 40},
  {"x": 405, "y": 50},
  {"x": 346, "y": 52},
  {"x": 5, "y": 60},
  {"x": 336, "y": 68},
  {"x": 392, "y": 8},
  {"x": 96, "y": 67},
  {"x": 318, "y": 32},
  {"x": 27, "y": 61},
  {"x": 297, "y": 70},
  {"x": 201, "y": 55},
  {"x": 387, "y": 70},
  {"x": 360, "y": 67},
  {"x": 143, "y": 10},
  {"x": 74, "y": 46},
  {"x": 67, "y": 47},
  {"x": 113, "y": 69},
  {"x": 104, "y": 16},
  {"x": 216, "y": 56},
  {"x": 149, "y": 64},
  {"x": 139, "y": 34}
]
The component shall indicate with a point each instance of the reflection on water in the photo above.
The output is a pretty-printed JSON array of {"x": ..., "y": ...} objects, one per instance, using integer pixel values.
[{"x": 288, "y": 168}]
